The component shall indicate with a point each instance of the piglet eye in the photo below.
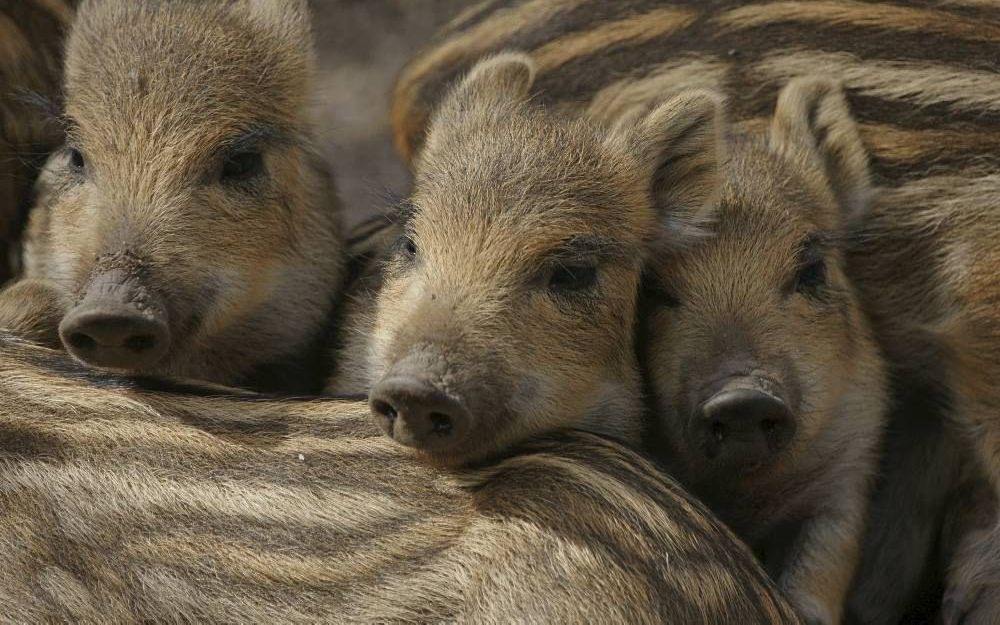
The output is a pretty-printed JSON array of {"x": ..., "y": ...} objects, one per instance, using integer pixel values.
[
  {"x": 570, "y": 278},
  {"x": 407, "y": 247},
  {"x": 811, "y": 277},
  {"x": 663, "y": 296},
  {"x": 242, "y": 166},
  {"x": 76, "y": 160}
]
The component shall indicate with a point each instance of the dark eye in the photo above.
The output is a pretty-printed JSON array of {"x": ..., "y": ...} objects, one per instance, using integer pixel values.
[
  {"x": 76, "y": 159},
  {"x": 662, "y": 296},
  {"x": 569, "y": 278},
  {"x": 811, "y": 277},
  {"x": 242, "y": 166},
  {"x": 407, "y": 247}
]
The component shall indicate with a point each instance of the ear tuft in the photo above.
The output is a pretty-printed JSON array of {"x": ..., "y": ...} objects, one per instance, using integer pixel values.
[
  {"x": 812, "y": 120},
  {"x": 508, "y": 74},
  {"x": 682, "y": 143},
  {"x": 488, "y": 91},
  {"x": 501, "y": 79}
]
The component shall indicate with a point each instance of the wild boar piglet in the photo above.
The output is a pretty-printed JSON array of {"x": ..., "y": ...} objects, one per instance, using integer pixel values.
[
  {"x": 188, "y": 222},
  {"x": 508, "y": 307},
  {"x": 768, "y": 386}
]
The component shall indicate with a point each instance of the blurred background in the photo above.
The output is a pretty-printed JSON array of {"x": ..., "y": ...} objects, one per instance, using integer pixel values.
[{"x": 362, "y": 46}]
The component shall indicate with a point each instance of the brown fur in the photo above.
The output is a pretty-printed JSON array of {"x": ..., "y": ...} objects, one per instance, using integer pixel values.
[
  {"x": 938, "y": 323},
  {"x": 31, "y": 33},
  {"x": 31, "y": 310},
  {"x": 921, "y": 82},
  {"x": 155, "y": 96},
  {"x": 370, "y": 245},
  {"x": 507, "y": 200},
  {"x": 732, "y": 307},
  {"x": 122, "y": 502}
]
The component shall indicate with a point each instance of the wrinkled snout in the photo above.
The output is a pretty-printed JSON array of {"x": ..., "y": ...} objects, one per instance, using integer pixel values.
[
  {"x": 415, "y": 413},
  {"x": 741, "y": 424},
  {"x": 119, "y": 324}
]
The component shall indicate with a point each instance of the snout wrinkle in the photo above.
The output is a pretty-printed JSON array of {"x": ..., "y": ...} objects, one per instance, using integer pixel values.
[
  {"x": 118, "y": 322},
  {"x": 742, "y": 421}
]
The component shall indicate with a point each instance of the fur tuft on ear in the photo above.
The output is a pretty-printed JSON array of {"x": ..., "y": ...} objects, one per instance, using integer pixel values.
[
  {"x": 682, "y": 144},
  {"x": 493, "y": 82},
  {"x": 508, "y": 74},
  {"x": 812, "y": 120},
  {"x": 488, "y": 91}
]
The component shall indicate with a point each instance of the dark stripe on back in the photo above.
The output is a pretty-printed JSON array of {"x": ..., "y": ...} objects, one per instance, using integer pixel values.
[
  {"x": 486, "y": 10},
  {"x": 579, "y": 79}
]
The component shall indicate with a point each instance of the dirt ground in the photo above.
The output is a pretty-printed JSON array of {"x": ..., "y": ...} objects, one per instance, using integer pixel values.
[{"x": 362, "y": 46}]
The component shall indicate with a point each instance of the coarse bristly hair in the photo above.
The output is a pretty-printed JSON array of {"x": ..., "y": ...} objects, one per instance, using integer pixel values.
[
  {"x": 514, "y": 287},
  {"x": 242, "y": 269},
  {"x": 130, "y": 499},
  {"x": 921, "y": 258}
]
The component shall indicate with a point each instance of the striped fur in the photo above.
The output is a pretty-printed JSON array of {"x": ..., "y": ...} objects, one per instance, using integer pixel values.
[
  {"x": 30, "y": 50},
  {"x": 131, "y": 500},
  {"x": 905, "y": 66},
  {"x": 922, "y": 83}
]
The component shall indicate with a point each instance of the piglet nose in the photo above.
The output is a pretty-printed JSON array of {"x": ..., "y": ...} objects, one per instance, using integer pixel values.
[
  {"x": 116, "y": 325},
  {"x": 743, "y": 425},
  {"x": 416, "y": 414}
]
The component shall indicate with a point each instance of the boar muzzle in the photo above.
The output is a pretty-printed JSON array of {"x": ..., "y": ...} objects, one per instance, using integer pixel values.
[
  {"x": 742, "y": 424},
  {"x": 119, "y": 323},
  {"x": 414, "y": 412}
]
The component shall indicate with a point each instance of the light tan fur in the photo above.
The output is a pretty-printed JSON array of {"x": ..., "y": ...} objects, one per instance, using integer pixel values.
[
  {"x": 503, "y": 25},
  {"x": 627, "y": 97},
  {"x": 508, "y": 201},
  {"x": 31, "y": 309},
  {"x": 632, "y": 30},
  {"x": 123, "y": 503},
  {"x": 877, "y": 17},
  {"x": 919, "y": 84},
  {"x": 155, "y": 96}
]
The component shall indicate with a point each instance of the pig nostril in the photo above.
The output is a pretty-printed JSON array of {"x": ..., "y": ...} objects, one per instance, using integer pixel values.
[
  {"x": 768, "y": 425},
  {"x": 440, "y": 424},
  {"x": 141, "y": 343},
  {"x": 384, "y": 409},
  {"x": 82, "y": 341}
]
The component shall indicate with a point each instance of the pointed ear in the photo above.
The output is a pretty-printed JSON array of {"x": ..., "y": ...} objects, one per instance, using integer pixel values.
[
  {"x": 491, "y": 84},
  {"x": 813, "y": 121},
  {"x": 682, "y": 144},
  {"x": 488, "y": 91}
]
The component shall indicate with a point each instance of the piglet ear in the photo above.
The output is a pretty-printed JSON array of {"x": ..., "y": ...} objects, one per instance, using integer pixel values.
[
  {"x": 488, "y": 92},
  {"x": 682, "y": 146},
  {"x": 813, "y": 123},
  {"x": 497, "y": 80}
]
